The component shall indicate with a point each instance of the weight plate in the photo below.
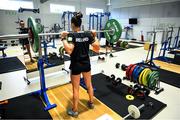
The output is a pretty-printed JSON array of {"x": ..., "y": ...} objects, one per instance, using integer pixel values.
[
  {"x": 39, "y": 28},
  {"x": 134, "y": 111},
  {"x": 138, "y": 73},
  {"x": 140, "y": 76},
  {"x": 124, "y": 44},
  {"x": 127, "y": 70},
  {"x": 131, "y": 71},
  {"x": 134, "y": 72},
  {"x": 114, "y": 36},
  {"x": 34, "y": 33},
  {"x": 118, "y": 44},
  {"x": 153, "y": 79},
  {"x": 129, "y": 97},
  {"x": 61, "y": 50},
  {"x": 145, "y": 77}
]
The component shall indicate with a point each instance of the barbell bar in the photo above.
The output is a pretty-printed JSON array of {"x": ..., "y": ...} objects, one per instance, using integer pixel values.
[
  {"x": 112, "y": 32},
  {"x": 17, "y": 36}
]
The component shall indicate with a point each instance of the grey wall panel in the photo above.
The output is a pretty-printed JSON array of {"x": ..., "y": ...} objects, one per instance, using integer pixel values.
[
  {"x": 134, "y": 12},
  {"x": 143, "y": 11},
  {"x": 171, "y": 9}
]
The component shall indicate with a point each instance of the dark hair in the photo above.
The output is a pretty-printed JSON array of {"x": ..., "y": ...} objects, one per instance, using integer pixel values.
[
  {"x": 76, "y": 19},
  {"x": 21, "y": 21}
]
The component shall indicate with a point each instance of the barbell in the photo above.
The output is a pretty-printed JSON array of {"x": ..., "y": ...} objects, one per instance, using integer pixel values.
[
  {"x": 112, "y": 32},
  {"x": 134, "y": 111}
]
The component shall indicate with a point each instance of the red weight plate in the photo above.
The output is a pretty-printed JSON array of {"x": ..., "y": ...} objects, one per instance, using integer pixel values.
[
  {"x": 131, "y": 71},
  {"x": 127, "y": 70}
]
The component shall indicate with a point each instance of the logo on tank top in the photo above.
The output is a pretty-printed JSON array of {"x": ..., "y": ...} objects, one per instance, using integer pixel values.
[
  {"x": 82, "y": 39},
  {"x": 70, "y": 39}
]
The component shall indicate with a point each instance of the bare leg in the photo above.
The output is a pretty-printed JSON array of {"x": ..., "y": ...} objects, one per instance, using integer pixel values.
[
  {"x": 29, "y": 51},
  {"x": 75, "y": 80},
  {"x": 87, "y": 79}
]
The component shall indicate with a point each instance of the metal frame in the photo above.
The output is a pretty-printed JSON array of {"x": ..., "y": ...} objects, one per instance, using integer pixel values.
[
  {"x": 166, "y": 45},
  {"x": 63, "y": 18},
  {"x": 151, "y": 48},
  {"x": 42, "y": 92}
]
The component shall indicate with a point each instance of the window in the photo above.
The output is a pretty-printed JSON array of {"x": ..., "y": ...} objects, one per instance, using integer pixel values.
[
  {"x": 15, "y": 5},
  {"x": 93, "y": 10},
  {"x": 54, "y": 8}
]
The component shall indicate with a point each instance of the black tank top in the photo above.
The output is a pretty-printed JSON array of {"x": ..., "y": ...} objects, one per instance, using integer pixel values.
[{"x": 81, "y": 43}]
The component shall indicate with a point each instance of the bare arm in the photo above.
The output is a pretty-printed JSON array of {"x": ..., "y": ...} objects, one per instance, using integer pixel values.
[
  {"x": 69, "y": 47},
  {"x": 95, "y": 44}
]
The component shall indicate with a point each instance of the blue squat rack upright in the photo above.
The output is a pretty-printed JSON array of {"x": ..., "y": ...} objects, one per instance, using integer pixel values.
[
  {"x": 45, "y": 45},
  {"x": 166, "y": 45},
  {"x": 63, "y": 19},
  {"x": 42, "y": 92}
]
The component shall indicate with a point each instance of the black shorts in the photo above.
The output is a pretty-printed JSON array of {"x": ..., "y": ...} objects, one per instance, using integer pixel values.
[
  {"x": 78, "y": 68},
  {"x": 24, "y": 41},
  {"x": 108, "y": 43}
]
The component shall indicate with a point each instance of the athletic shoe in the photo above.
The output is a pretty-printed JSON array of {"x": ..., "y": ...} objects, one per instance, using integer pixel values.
[
  {"x": 70, "y": 112},
  {"x": 90, "y": 105}
]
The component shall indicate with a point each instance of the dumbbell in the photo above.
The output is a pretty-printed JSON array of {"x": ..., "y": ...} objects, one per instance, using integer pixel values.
[
  {"x": 134, "y": 111},
  {"x": 116, "y": 82},
  {"x": 101, "y": 58},
  {"x": 110, "y": 78},
  {"x": 124, "y": 67},
  {"x": 117, "y": 65},
  {"x": 145, "y": 90}
]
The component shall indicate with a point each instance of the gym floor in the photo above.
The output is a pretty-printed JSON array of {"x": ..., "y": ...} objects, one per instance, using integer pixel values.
[
  {"x": 14, "y": 85},
  {"x": 134, "y": 22}
]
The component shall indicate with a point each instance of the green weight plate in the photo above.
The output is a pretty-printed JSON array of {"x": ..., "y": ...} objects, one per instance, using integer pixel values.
[
  {"x": 39, "y": 27},
  {"x": 114, "y": 36},
  {"x": 125, "y": 44},
  {"x": 34, "y": 32},
  {"x": 153, "y": 79},
  {"x": 61, "y": 50}
]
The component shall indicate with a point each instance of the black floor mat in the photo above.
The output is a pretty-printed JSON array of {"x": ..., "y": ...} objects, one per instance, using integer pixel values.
[
  {"x": 133, "y": 46},
  {"x": 170, "y": 78},
  {"x": 56, "y": 61},
  {"x": 66, "y": 58},
  {"x": 24, "y": 107},
  {"x": 92, "y": 53},
  {"x": 118, "y": 49},
  {"x": 115, "y": 98},
  {"x": 170, "y": 60},
  {"x": 137, "y": 42},
  {"x": 173, "y": 52},
  {"x": 11, "y": 64}
]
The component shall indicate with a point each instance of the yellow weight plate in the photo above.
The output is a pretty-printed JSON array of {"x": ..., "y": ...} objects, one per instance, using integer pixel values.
[
  {"x": 145, "y": 77},
  {"x": 140, "y": 76},
  {"x": 129, "y": 97}
]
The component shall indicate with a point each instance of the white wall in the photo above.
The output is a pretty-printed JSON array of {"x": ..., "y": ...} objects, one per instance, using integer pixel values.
[
  {"x": 7, "y": 19},
  {"x": 159, "y": 15}
]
